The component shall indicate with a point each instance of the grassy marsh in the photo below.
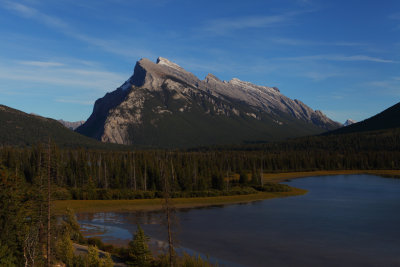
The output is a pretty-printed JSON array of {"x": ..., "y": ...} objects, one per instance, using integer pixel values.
[{"x": 156, "y": 204}]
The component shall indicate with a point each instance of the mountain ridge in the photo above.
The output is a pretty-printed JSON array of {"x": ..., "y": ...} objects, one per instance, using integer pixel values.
[
  {"x": 164, "y": 91},
  {"x": 349, "y": 122},
  {"x": 72, "y": 125}
]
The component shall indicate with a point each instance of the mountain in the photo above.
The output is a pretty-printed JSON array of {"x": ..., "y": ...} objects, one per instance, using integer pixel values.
[
  {"x": 163, "y": 105},
  {"x": 18, "y": 128},
  {"x": 349, "y": 122},
  {"x": 389, "y": 118},
  {"x": 72, "y": 125}
]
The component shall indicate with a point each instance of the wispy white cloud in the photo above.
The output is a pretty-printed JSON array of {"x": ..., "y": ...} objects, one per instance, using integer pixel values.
[
  {"x": 75, "y": 101},
  {"x": 63, "y": 27},
  {"x": 227, "y": 25},
  {"x": 301, "y": 42},
  {"x": 320, "y": 76},
  {"x": 340, "y": 58},
  {"x": 44, "y": 64},
  {"x": 395, "y": 16},
  {"x": 74, "y": 77},
  {"x": 389, "y": 86},
  {"x": 32, "y": 13}
]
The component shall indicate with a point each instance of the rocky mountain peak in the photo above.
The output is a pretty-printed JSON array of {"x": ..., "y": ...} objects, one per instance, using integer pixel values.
[
  {"x": 152, "y": 75},
  {"x": 211, "y": 77},
  {"x": 166, "y": 62},
  {"x": 161, "y": 99},
  {"x": 72, "y": 125},
  {"x": 349, "y": 122},
  {"x": 235, "y": 81}
]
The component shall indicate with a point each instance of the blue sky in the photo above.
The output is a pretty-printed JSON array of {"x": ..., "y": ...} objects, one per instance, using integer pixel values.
[{"x": 341, "y": 57}]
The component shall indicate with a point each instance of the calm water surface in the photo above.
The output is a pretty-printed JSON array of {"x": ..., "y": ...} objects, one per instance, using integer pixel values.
[{"x": 345, "y": 220}]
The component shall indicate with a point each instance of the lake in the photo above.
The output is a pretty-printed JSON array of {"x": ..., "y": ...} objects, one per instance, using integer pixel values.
[{"x": 344, "y": 220}]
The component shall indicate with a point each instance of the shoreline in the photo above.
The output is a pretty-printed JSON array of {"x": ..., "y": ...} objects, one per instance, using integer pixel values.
[
  {"x": 282, "y": 176},
  {"x": 93, "y": 206}
]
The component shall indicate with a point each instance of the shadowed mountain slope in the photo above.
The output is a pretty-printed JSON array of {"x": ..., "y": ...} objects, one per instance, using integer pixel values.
[{"x": 389, "y": 118}]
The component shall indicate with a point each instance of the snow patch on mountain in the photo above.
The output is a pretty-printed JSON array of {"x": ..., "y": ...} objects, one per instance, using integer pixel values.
[{"x": 349, "y": 122}]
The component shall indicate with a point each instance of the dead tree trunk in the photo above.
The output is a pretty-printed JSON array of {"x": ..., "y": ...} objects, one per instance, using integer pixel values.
[
  {"x": 168, "y": 208},
  {"x": 105, "y": 176},
  {"x": 145, "y": 176},
  {"x": 134, "y": 173},
  {"x": 48, "y": 208},
  {"x": 261, "y": 173}
]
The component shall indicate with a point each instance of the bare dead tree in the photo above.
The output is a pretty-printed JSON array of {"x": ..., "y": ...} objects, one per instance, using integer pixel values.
[
  {"x": 168, "y": 209},
  {"x": 105, "y": 176},
  {"x": 228, "y": 170},
  {"x": 145, "y": 177},
  {"x": 42, "y": 201},
  {"x": 261, "y": 172},
  {"x": 227, "y": 177},
  {"x": 172, "y": 172},
  {"x": 48, "y": 207},
  {"x": 99, "y": 174},
  {"x": 30, "y": 245},
  {"x": 194, "y": 172},
  {"x": 132, "y": 171}
]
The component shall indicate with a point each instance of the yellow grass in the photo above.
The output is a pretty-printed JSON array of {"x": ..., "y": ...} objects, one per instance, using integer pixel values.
[{"x": 156, "y": 204}]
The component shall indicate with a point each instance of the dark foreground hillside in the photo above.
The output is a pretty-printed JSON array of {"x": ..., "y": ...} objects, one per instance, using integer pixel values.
[
  {"x": 21, "y": 129},
  {"x": 389, "y": 118}
]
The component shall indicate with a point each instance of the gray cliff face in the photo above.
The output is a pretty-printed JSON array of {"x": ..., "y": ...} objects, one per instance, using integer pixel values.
[{"x": 160, "y": 95}]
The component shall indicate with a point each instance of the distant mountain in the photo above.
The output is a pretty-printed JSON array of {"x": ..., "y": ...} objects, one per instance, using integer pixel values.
[
  {"x": 72, "y": 125},
  {"x": 389, "y": 118},
  {"x": 18, "y": 128},
  {"x": 163, "y": 105},
  {"x": 349, "y": 122}
]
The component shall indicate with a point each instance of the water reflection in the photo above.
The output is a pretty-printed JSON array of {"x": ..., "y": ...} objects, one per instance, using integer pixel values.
[{"x": 343, "y": 221}]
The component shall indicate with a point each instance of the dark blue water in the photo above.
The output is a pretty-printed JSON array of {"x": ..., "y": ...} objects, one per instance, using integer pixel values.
[{"x": 351, "y": 220}]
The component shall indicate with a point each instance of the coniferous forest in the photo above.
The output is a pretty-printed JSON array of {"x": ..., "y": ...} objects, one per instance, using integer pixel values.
[
  {"x": 96, "y": 174},
  {"x": 32, "y": 176}
]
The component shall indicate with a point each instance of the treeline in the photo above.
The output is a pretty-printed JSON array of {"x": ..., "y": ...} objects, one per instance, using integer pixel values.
[
  {"x": 382, "y": 140},
  {"x": 85, "y": 174},
  {"x": 96, "y": 174}
]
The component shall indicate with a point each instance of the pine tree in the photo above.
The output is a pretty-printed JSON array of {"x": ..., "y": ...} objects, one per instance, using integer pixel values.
[
  {"x": 92, "y": 258},
  {"x": 243, "y": 179},
  {"x": 12, "y": 214},
  {"x": 255, "y": 177},
  {"x": 107, "y": 261},
  {"x": 217, "y": 181},
  {"x": 139, "y": 252},
  {"x": 7, "y": 257},
  {"x": 65, "y": 249}
]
